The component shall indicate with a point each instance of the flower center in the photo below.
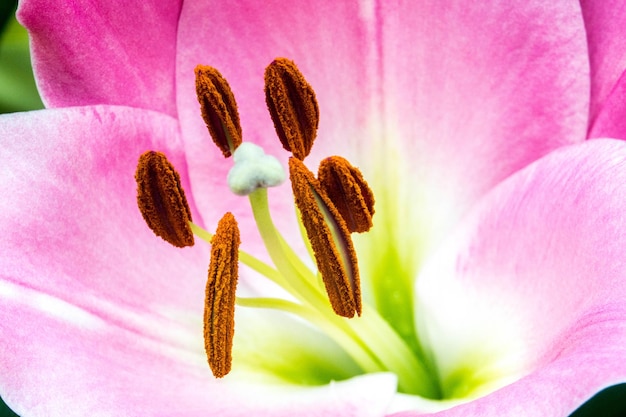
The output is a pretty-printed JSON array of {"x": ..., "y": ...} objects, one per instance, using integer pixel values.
[{"x": 332, "y": 206}]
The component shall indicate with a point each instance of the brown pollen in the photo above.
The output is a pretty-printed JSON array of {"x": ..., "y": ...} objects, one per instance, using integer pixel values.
[
  {"x": 330, "y": 239},
  {"x": 292, "y": 104},
  {"x": 347, "y": 189},
  {"x": 219, "y": 109},
  {"x": 219, "y": 307},
  {"x": 161, "y": 199}
]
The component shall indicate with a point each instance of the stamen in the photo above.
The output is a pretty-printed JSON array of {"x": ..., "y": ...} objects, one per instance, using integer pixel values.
[
  {"x": 161, "y": 199},
  {"x": 219, "y": 109},
  {"x": 330, "y": 239},
  {"x": 347, "y": 189},
  {"x": 292, "y": 105},
  {"x": 219, "y": 307}
]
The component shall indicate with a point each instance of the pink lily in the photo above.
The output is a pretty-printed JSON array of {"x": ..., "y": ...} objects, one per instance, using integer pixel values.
[{"x": 469, "y": 123}]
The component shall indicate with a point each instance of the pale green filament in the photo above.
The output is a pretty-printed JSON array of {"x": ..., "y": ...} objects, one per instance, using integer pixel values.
[{"x": 369, "y": 340}]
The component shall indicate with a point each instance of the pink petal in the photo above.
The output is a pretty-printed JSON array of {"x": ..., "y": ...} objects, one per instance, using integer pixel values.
[
  {"x": 471, "y": 94},
  {"x": 70, "y": 222},
  {"x": 79, "y": 365},
  {"x": 611, "y": 118},
  {"x": 605, "y": 23},
  {"x": 534, "y": 281},
  {"x": 114, "y": 52}
]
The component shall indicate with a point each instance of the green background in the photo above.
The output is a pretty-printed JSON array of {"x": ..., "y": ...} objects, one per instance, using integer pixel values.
[{"x": 17, "y": 86}]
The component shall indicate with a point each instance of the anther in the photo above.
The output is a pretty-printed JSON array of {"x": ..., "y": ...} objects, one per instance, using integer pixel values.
[
  {"x": 330, "y": 239},
  {"x": 347, "y": 189},
  {"x": 219, "y": 109},
  {"x": 292, "y": 104},
  {"x": 219, "y": 307},
  {"x": 161, "y": 199}
]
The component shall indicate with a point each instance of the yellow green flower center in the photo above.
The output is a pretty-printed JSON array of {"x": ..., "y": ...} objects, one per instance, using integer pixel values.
[{"x": 348, "y": 335}]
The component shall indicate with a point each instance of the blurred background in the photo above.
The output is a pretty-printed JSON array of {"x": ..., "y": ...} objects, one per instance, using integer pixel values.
[
  {"x": 17, "y": 85},
  {"x": 18, "y": 92}
]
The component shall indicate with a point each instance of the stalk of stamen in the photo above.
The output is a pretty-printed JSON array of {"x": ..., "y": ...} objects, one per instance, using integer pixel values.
[
  {"x": 396, "y": 355},
  {"x": 161, "y": 199},
  {"x": 347, "y": 189},
  {"x": 368, "y": 340},
  {"x": 317, "y": 313},
  {"x": 303, "y": 235},
  {"x": 300, "y": 278},
  {"x": 287, "y": 263},
  {"x": 219, "y": 109},
  {"x": 219, "y": 308},
  {"x": 359, "y": 351},
  {"x": 361, "y": 338},
  {"x": 292, "y": 105},
  {"x": 330, "y": 239},
  {"x": 414, "y": 374},
  {"x": 245, "y": 258}
]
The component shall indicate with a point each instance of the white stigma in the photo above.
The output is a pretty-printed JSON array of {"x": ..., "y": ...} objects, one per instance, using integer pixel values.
[{"x": 254, "y": 169}]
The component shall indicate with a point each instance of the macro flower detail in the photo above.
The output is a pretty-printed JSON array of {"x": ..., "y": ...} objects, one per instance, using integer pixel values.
[
  {"x": 491, "y": 281},
  {"x": 253, "y": 172}
]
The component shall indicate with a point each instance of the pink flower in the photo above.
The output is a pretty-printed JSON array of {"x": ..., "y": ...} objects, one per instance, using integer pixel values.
[{"x": 498, "y": 240}]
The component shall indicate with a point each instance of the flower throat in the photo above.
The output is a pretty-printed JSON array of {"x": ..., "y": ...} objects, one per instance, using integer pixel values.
[{"x": 332, "y": 205}]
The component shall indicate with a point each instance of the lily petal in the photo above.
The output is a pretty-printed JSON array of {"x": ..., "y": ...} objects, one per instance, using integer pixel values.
[
  {"x": 605, "y": 25},
  {"x": 532, "y": 286},
  {"x": 473, "y": 93},
  {"x": 85, "y": 366},
  {"x": 72, "y": 226},
  {"x": 113, "y": 52},
  {"x": 611, "y": 118}
]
